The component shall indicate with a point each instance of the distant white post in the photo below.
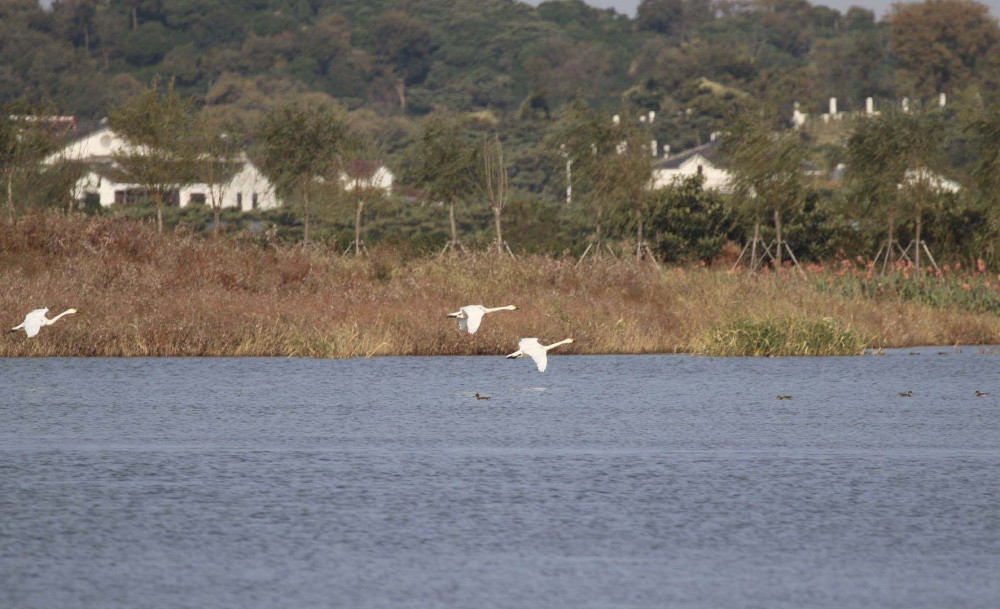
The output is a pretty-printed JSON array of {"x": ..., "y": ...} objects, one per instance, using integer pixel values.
[
  {"x": 869, "y": 105},
  {"x": 798, "y": 117},
  {"x": 569, "y": 181}
]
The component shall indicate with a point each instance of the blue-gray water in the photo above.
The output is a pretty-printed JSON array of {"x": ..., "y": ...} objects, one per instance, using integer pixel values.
[{"x": 624, "y": 481}]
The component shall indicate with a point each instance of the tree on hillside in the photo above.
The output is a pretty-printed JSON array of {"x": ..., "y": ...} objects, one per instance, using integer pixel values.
[
  {"x": 675, "y": 18},
  {"x": 851, "y": 66},
  {"x": 161, "y": 152},
  {"x": 404, "y": 45},
  {"x": 767, "y": 175},
  {"x": 301, "y": 149},
  {"x": 945, "y": 45},
  {"x": 442, "y": 163}
]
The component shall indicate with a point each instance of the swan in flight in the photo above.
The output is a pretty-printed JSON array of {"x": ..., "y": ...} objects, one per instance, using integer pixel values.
[
  {"x": 536, "y": 351},
  {"x": 470, "y": 316},
  {"x": 34, "y": 321}
]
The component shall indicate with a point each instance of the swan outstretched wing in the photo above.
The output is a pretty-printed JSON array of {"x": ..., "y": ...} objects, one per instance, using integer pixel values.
[
  {"x": 475, "y": 315},
  {"x": 533, "y": 349},
  {"x": 34, "y": 321},
  {"x": 461, "y": 323}
]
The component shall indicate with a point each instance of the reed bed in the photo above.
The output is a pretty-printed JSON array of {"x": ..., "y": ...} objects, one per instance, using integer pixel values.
[{"x": 143, "y": 294}]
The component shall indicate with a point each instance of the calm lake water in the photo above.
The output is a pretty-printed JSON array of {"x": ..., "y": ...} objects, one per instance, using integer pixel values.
[{"x": 611, "y": 481}]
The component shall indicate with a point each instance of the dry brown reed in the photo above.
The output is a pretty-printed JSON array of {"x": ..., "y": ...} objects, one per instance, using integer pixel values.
[{"x": 140, "y": 293}]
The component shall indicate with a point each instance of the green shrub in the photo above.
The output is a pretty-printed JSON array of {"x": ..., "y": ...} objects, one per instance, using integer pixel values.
[{"x": 782, "y": 337}]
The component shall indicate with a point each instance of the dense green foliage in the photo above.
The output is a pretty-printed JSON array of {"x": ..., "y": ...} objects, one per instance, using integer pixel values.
[{"x": 539, "y": 77}]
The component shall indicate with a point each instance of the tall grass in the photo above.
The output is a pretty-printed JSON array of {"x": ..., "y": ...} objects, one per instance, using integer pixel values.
[
  {"x": 140, "y": 293},
  {"x": 783, "y": 337}
]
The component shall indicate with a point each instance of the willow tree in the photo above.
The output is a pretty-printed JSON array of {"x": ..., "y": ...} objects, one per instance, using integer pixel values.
[
  {"x": 158, "y": 127},
  {"x": 892, "y": 158},
  {"x": 442, "y": 163},
  {"x": 363, "y": 170},
  {"x": 766, "y": 175},
  {"x": 220, "y": 158},
  {"x": 493, "y": 182},
  {"x": 984, "y": 127},
  {"x": 301, "y": 149},
  {"x": 612, "y": 165},
  {"x": 26, "y": 137},
  {"x": 630, "y": 172}
]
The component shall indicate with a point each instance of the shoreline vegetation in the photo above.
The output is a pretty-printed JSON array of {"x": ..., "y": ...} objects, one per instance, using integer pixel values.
[{"x": 179, "y": 294}]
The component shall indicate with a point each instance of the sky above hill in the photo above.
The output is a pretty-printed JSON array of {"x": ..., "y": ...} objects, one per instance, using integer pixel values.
[{"x": 879, "y": 6}]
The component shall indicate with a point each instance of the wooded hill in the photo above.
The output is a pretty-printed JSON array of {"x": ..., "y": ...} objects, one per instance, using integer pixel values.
[{"x": 409, "y": 57}]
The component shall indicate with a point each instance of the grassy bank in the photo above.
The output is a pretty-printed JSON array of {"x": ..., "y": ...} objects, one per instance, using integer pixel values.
[{"x": 181, "y": 295}]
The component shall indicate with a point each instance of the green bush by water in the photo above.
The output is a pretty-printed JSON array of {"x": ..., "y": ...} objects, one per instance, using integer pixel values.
[{"x": 782, "y": 337}]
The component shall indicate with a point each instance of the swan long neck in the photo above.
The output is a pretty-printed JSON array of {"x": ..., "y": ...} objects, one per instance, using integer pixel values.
[
  {"x": 507, "y": 308},
  {"x": 562, "y": 342},
  {"x": 49, "y": 322}
]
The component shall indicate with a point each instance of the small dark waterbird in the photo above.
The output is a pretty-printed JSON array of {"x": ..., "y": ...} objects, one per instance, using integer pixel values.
[
  {"x": 481, "y": 397},
  {"x": 906, "y": 394},
  {"x": 784, "y": 397},
  {"x": 981, "y": 394}
]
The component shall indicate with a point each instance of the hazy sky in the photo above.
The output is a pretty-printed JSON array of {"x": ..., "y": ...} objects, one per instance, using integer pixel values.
[{"x": 879, "y": 6}]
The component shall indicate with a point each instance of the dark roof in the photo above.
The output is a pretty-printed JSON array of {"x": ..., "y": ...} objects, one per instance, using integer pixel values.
[
  {"x": 710, "y": 151},
  {"x": 363, "y": 167},
  {"x": 82, "y": 128}
]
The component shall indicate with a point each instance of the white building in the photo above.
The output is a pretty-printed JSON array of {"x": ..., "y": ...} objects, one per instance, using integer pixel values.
[
  {"x": 368, "y": 175},
  {"x": 701, "y": 160},
  {"x": 248, "y": 189},
  {"x": 926, "y": 177}
]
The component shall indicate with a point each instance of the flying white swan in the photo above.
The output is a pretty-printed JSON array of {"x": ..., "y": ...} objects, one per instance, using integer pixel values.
[
  {"x": 536, "y": 351},
  {"x": 470, "y": 316},
  {"x": 34, "y": 321}
]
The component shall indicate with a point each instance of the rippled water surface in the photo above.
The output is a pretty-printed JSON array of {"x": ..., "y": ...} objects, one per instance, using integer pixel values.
[{"x": 612, "y": 481}]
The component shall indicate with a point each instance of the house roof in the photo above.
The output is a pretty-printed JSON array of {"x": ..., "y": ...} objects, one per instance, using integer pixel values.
[
  {"x": 709, "y": 152},
  {"x": 363, "y": 167}
]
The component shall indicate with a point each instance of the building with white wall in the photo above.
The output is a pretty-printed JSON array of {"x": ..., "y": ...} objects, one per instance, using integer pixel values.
[
  {"x": 246, "y": 190},
  {"x": 701, "y": 160}
]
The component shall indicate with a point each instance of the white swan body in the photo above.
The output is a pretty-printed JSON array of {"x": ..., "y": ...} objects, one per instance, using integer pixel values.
[
  {"x": 536, "y": 351},
  {"x": 470, "y": 316},
  {"x": 34, "y": 321}
]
